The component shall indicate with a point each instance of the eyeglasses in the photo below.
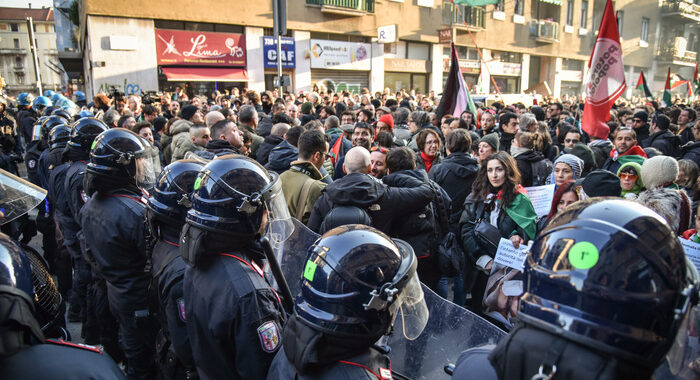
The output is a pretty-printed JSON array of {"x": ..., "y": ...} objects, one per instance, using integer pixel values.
[
  {"x": 379, "y": 149},
  {"x": 571, "y": 141},
  {"x": 629, "y": 176}
]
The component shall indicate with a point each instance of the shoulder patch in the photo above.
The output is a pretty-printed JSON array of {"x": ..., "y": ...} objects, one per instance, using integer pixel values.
[
  {"x": 31, "y": 164},
  {"x": 61, "y": 342},
  {"x": 269, "y": 334},
  {"x": 181, "y": 309},
  {"x": 84, "y": 196}
]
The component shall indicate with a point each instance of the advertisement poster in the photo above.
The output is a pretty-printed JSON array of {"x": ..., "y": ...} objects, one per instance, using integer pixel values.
[{"x": 339, "y": 55}]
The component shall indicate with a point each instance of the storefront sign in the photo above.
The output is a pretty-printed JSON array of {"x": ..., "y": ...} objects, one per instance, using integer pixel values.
[
  {"x": 182, "y": 47},
  {"x": 504, "y": 68},
  {"x": 445, "y": 36},
  {"x": 288, "y": 52},
  {"x": 406, "y": 65},
  {"x": 467, "y": 67},
  {"x": 338, "y": 55},
  {"x": 386, "y": 34}
]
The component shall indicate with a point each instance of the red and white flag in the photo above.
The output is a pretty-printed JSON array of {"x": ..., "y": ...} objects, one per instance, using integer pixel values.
[{"x": 606, "y": 76}]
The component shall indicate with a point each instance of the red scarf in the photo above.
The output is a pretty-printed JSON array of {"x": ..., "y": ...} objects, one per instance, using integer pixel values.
[
  {"x": 428, "y": 160},
  {"x": 635, "y": 150}
]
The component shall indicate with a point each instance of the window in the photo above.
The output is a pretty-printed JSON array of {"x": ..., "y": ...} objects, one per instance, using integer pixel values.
[
  {"x": 645, "y": 30},
  {"x": 572, "y": 64},
  {"x": 620, "y": 16},
  {"x": 519, "y": 7},
  {"x": 584, "y": 14},
  {"x": 14, "y": 27},
  {"x": 20, "y": 78},
  {"x": 507, "y": 56},
  {"x": 15, "y": 42},
  {"x": 570, "y": 12},
  {"x": 415, "y": 50},
  {"x": 500, "y": 7},
  {"x": 19, "y": 62}
]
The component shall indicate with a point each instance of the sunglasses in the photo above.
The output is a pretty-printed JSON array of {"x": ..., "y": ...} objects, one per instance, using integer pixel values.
[
  {"x": 629, "y": 176},
  {"x": 379, "y": 149}
]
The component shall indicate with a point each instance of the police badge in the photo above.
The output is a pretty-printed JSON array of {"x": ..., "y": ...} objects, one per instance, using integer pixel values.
[{"x": 269, "y": 336}]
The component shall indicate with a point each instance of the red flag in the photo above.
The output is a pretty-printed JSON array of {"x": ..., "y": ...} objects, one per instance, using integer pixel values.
[{"x": 606, "y": 76}]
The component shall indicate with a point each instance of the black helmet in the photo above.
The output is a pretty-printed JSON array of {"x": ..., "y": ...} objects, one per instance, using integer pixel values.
[
  {"x": 356, "y": 280},
  {"x": 62, "y": 113},
  {"x": 48, "y": 303},
  {"x": 122, "y": 155},
  {"x": 59, "y": 136},
  {"x": 610, "y": 275},
  {"x": 36, "y": 128},
  {"x": 169, "y": 200},
  {"x": 231, "y": 194},
  {"x": 48, "y": 111},
  {"x": 41, "y": 131},
  {"x": 16, "y": 298},
  {"x": 84, "y": 132}
]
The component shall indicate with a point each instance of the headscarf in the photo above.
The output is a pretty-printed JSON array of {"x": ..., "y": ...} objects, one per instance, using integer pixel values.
[{"x": 639, "y": 185}]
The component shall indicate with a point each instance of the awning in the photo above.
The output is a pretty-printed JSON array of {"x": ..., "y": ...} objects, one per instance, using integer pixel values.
[
  {"x": 205, "y": 74},
  {"x": 555, "y": 2}
]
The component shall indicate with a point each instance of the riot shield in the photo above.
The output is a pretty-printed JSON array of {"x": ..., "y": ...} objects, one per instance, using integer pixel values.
[
  {"x": 683, "y": 359},
  {"x": 290, "y": 239},
  {"x": 17, "y": 196},
  {"x": 450, "y": 330}
]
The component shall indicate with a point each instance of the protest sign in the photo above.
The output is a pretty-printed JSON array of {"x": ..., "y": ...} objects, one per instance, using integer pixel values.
[
  {"x": 541, "y": 198},
  {"x": 692, "y": 251},
  {"x": 508, "y": 256}
]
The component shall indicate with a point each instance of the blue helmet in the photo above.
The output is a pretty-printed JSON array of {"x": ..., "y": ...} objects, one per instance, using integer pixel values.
[
  {"x": 169, "y": 200},
  {"x": 85, "y": 113},
  {"x": 48, "y": 93},
  {"x": 25, "y": 99},
  {"x": 40, "y": 103},
  {"x": 55, "y": 96},
  {"x": 355, "y": 282},
  {"x": 609, "y": 275},
  {"x": 79, "y": 96}
]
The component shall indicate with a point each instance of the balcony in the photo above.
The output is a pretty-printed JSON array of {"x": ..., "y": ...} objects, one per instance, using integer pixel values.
[
  {"x": 464, "y": 17},
  {"x": 681, "y": 8},
  {"x": 677, "y": 56},
  {"x": 18, "y": 68},
  {"x": 344, "y": 7},
  {"x": 5, "y": 51},
  {"x": 544, "y": 31}
]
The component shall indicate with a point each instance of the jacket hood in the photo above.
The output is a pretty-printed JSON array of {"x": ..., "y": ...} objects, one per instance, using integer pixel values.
[
  {"x": 221, "y": 146},
  {"x": 531, "y": 156},
  {"x": 282, "y": 155},
  {"x": 355, "y": 189},
  {"x": 461, "y": 164},
  {"x": 180, "y": 126},
  {"x": 273, "y": 139},
  {"x": 406, "y": 178}
]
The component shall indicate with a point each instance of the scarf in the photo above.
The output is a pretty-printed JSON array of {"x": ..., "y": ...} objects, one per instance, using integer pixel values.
[
  {"x": 515, "y": 151},
  {"x": 521, "y": 211},
  {"x": 428, "y": 160},
  {"x": 633, "y": 154}
]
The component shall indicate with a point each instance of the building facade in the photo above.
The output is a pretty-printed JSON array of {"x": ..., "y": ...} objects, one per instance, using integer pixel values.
[{"x": 16, "y": 60}]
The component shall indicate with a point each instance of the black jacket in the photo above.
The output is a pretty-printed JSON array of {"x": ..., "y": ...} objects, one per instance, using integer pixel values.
[
  {"x": 234, "y": 317},
  {"x": 382, "y": 203},
  {"x": 57, "y": 195},
  {"x": 266, "y": 147},
  {"x": 114, "y": 228},
  {"x": 455, "y": 174},
  {"x": 506, "y": 142},
  {"x": 665, "y": 141},
  {"x": 691, "y": 151},
  {"x": 216, "y": 148},
  {"x": 642, "y": 135},
  {"x": 264, "y": 127},
  {"x": 525, "y": 162},
  {"x": 281, "y": 157}
]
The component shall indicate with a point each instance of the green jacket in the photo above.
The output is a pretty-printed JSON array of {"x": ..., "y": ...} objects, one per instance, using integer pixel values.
[
  {"x": 180, "y": 132},
  {"x": 293, "y": 181}
]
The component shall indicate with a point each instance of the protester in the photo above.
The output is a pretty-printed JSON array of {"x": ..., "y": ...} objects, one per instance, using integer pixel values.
[
  {"x": 429, "y": 147},
  {"x": 630, "y": 180},
  {"x": 567, "y": 167},
  {"x": 488, "y": 145}
]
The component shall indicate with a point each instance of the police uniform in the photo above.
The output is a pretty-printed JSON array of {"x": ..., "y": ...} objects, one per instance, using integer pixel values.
[
  {"x": 371, "y": 365},
  {"x": 31, "y": 159},
  {"x": 26, "y": 119},
  {"x": 114, "y": 229},
  {"x": 234, "y": 317}
]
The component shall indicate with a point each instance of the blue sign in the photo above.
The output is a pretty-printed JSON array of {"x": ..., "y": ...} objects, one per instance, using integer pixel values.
[{"x": 288, "y": 52}]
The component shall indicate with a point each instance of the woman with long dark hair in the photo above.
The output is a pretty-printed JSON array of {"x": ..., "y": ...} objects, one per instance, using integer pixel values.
[{"x": 498, "y": 207}]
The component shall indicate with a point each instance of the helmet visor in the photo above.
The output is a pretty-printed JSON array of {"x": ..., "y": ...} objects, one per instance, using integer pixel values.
[
  {"x": 17, "y": 196},
  {"x": 412, "y": 311},
  {"x": 146, "y": 171},
  {"x": 274, "y": 199},
  {"x": 36, "y": 132}
]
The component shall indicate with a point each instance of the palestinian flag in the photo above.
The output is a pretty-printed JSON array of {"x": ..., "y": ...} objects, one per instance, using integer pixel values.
[
  {"x": 522, "y": 212},
  {"x": 696, "y": 80},
  {"x": 667, "y": 89},
  {"x": 642, "y": 85},
  {"x": 455, "y": 95}
]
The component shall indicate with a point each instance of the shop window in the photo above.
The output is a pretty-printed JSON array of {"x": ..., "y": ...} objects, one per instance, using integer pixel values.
[
  {"x": 572, "y": 64},
  {"x": 338, "y": 37}
]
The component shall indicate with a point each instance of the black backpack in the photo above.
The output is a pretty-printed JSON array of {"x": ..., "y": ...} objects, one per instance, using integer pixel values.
[
  {"x": 541, "y": 170},
  {"x": 342, "y": 215}
]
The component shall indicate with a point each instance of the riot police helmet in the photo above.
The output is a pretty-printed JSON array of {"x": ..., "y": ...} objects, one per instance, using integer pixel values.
[
  {"x": 79, "y": 96},
  {"x": 25, "y": 99},
  {"x": 48, "y": 111},
  {"x": 40, "y": 103},
  {"x": 59, "y": 136},
  {"x": 49, "y": 93},
  {"x": 232, "y": 195},
  {"x": 169, "y": 199},
  {"x": 121, "y": 155},
  {"x": 356, "y": 281},
  {"x": 62, "y": 113},
  {"x": 84, "y": 132},
  {"x": 84, "y": 113},
  {"x": 44, "y": 125},
  {"x": 609, "y": 275}
]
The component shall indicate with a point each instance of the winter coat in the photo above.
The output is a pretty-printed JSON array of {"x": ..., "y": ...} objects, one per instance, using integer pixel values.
[
  {"x": 187, "y": 146},
  {"x": 264, "y": 127},
  {"x": 293, "y": 181},
  {"x": 266, "y": 147},
  {"x": 281, "y": 157},
  {"x": 691, "y": 151},
  {"x": 665, "y": 141},
  {"x": 642, "y": 135},
  {"x": 601, "y": 150},
  {"x": 526, "y": 162},
  {"x": 420, "y": 164},
  {"x": 456, "y": 174},
  {"x": 216, "y": 148},
  {"x": 383, "y": 204},
  {"x": 180, "y": 132}
]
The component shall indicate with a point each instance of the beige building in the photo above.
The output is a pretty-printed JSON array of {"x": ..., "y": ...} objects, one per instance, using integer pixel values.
[
  {"x": 540, "y": 45},
  {"x": 16, "y": 61}
]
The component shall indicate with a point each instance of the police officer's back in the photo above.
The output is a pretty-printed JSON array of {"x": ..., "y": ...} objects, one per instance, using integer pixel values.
[
  {"x": 355, "y": 282},
  {"x": 234, "y": 317},
  {"x": 113, "y": 224},
  {"x": 25, "y": 354}
]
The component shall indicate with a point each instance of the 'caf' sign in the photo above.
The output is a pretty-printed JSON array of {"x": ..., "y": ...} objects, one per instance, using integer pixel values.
[{"x": 191, "y": 48}]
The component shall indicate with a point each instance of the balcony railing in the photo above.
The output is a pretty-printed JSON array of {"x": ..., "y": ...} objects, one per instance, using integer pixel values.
[
  {"x": 463, "y": 16},
  {"x": 13, "y": 51},
  {"x": 673, "y": 54},
  {"x": 18, "y": 67},
  {"x": 346, "y": 7},
  {"x": 681, "y": 8},
  {"x": 544, "y": 30}
]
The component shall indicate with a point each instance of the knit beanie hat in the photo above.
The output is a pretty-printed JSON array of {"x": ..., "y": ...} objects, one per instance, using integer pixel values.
[
  {"x": 306, "y": 107},
  {"x": 601, "y": 183},
  {"x": 642, "y": 115},
  {"x": 188, "y": 111},
  {"x": 388, "y": 120},
  {"x": 491, "y": 139},
  {"x": 659, "y": 171},
  {"x": 575, "y": 163},
  {"x": 585, "y": 153}
]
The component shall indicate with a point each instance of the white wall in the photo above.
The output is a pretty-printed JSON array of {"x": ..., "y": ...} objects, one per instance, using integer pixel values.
[
  {"x": 302, "y": 73},
  {"x": 129, "y": 71},
  {"x": 376, "y": 75},
  {"x": 255, "y": 57}
]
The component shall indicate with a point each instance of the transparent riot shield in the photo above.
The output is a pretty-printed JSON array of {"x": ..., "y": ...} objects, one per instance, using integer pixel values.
[
  {"x": 683, "y": 359},
  {"x": 17, "y": 196},
  {"x": 450, "y": 330},
  {"x": 290, "y": 239}
]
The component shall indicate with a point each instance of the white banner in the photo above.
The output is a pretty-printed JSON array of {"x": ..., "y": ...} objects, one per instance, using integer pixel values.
[
  {"x": 692, "y": 251},
  {"x": 339, "y": 55},
  {"x": 508, "y": 256},
  {"x": 541, "y": 198}
]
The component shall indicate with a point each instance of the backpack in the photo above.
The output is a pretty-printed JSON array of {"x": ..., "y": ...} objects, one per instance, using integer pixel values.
[
  {"x": 450, "y": 256},
  {"x": 541, "y": 171},
  {"x": 342, "y": 215}
]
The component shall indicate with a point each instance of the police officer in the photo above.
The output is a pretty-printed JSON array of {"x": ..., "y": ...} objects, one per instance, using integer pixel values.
[
  {"x": 80, "y": 100},
  {"x": 233, "y": 315},
  {"x": 167, "y": 207},
  {"x": 24, "y": 352},
  {"x": 10, "y": 140},
  {"x": 24, "y": 109},
  {"x": 113, "y": 224},
  {"x": 29, "y": 118},
  {"x": 355, "y": 282},
  {"x": 606, "y": 291}
]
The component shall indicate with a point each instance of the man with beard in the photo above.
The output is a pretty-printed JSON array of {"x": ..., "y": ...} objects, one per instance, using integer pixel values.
[
  {"x": 378, "y": 161},
  {"x": 302, "y": 184},
  {"x": 626, "y": 150},
  {"x": 361, "y": 136},
  {"x": 488, "y": 122}
]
